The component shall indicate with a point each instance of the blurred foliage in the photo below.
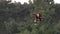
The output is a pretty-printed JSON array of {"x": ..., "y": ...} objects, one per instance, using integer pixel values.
[{"x": 17, "y": 18}]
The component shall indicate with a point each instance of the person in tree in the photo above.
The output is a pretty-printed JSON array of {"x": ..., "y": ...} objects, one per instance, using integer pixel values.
[{"x": 37, "y": 17}]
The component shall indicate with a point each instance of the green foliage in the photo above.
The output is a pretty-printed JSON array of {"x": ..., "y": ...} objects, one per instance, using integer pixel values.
[
  {"x": 25, "y": 32},
  {"x": 51, "y": 31},
  {"x": 34, "y": 31},
  {"x": 16, "y": 18}
]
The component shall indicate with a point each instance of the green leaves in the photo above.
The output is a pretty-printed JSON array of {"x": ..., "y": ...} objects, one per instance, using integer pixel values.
[{"x": 25, "y": 32}]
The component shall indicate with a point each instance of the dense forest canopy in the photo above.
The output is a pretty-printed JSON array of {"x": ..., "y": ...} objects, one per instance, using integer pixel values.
[{"x": 17, "y": 18}]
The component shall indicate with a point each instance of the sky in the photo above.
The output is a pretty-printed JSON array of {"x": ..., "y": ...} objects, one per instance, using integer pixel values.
[
  {"x": 57, "y": 1},
  {"x": 22, "y": 1}
]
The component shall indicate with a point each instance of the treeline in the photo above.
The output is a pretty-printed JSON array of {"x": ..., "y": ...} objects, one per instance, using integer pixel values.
[
  {"x": 17, "y": 18},
  {"x": 11, "y": 14}
]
